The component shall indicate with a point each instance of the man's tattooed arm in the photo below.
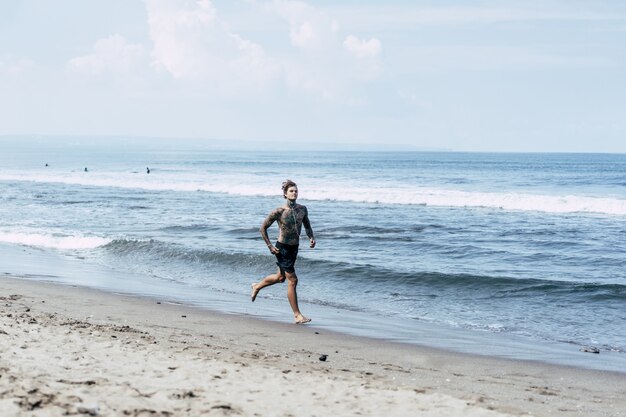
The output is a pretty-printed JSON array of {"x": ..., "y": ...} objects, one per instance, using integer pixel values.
[
  {"x": 269, "y": 220},
  {"x": 307, "y": 227}
]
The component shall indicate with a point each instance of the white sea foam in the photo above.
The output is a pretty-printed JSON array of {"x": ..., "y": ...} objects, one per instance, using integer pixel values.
[
  {"x": 453, "y": 198},
  {"x": 45, "y": 240},
  {"x": 251, "y": 185}
]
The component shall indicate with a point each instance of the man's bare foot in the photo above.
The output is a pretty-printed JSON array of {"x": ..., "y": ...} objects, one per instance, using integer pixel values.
[
  {"x": 300, "y": 319},
  {"x": 254, "y": 291}
]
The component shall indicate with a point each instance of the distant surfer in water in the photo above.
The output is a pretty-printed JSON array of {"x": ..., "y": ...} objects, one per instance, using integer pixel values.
[{"x": 290, "y": 217}]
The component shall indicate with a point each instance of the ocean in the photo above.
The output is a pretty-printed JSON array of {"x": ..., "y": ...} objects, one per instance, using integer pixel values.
[{"x": 514, "y": 255}]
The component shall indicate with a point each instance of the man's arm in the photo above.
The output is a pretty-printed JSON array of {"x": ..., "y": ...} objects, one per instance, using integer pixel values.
[
  {"x": 307, "y": 227},
  {"x": 269, "y": 220}
]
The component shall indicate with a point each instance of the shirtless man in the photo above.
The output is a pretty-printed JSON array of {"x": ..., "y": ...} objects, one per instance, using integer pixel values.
[{"x": 290, "y": 218}]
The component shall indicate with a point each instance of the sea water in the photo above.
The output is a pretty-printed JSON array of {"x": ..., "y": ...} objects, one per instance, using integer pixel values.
[{"x": 519, "y": 255}]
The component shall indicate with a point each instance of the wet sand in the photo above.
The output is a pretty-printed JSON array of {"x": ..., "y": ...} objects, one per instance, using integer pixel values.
[{"x": 76, "y": 351}]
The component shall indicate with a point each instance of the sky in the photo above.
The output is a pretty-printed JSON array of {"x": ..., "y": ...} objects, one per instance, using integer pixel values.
[{"x": 493, "y": 75}]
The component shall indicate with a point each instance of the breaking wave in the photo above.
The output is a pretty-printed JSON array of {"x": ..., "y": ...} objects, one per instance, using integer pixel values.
[
  {"x": 53, "y": 241},
  {"x": 406, "y": 195}
]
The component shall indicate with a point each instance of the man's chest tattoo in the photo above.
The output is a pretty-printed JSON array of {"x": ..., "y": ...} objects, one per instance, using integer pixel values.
[{"x": 291, "y": 220}]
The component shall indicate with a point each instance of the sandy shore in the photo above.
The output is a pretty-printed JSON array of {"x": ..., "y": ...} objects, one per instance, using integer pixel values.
[{"x": 75, "y": 351}]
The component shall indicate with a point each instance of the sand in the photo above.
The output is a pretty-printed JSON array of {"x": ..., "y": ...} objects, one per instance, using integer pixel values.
[{"x": 74, "y": 351}]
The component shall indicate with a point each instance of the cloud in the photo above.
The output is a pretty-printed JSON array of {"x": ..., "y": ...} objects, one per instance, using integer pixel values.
[
  {"x": 362, "y": 49},
  {"x": 309, "y": 28},
  {"x": 322, "y": 67},
  {"x": 110, "y": 55},
  {"x": 195, "y": 47},
  {"x": 303, "y": 36},
  {"x": 367, "y": 52},
  {"x": 190, "y": 42}
]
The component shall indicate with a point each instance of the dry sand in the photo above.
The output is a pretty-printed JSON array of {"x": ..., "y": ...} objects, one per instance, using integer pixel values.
[{"x": 74, "y": 351}]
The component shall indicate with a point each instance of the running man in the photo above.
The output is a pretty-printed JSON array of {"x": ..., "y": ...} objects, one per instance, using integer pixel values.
[{"x": 290, "y": 218}]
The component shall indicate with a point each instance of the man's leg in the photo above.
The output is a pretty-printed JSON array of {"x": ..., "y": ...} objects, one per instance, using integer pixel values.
[
  {"x": 292, "y": 296},
  {"x": 266, "y": 282}
]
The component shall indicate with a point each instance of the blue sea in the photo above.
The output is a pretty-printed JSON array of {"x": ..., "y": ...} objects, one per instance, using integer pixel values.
[{"x": 514, "y": 255}]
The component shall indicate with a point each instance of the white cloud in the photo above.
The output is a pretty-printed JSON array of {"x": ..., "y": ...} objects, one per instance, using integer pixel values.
[
  {"x": 367, "y": 52},
  {"x": 322, "y": 67},
  {"x": 309, "y": 28},
  {"x": 191, "y": 42},
  {"x": 303, "y": 36},
  {"x": 110, "y": 55},
  {"x": 361, "y": 48},
  {"x": 197, "y": 48},
  {"x": 178, "y": 29}
]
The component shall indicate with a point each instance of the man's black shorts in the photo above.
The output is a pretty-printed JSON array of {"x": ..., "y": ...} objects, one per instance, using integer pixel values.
[{"x": 286, "y": 258}]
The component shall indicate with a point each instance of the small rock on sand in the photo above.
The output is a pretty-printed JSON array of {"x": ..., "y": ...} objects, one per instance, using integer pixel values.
[{"x": 92, "y": 410}]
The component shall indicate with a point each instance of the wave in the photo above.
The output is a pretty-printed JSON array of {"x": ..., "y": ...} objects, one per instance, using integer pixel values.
[
  {"x": 435, "y": 284},
  {"x": 189, "y": 228},
  {"x": 253, "y": 186},
  {"x": 54, "y": 241},
  {"x": 374, "y": 233},
  {"x": 374, "y": 230},
  {"x": 454, "y": 198},
  {"x": 250, "y": 185},
  {"x": 162, "y": 251},
  {"x": 372, "y": 278}
]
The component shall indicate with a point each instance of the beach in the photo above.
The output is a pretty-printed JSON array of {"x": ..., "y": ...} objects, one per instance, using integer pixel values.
[
  {"x": 68, "y": 350},
  {"x": 519, "y": 256},
  {"x": 439, "y": 186}
]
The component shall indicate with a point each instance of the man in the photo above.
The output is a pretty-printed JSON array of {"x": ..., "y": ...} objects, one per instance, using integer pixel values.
[{"x": 290, "y": 218}]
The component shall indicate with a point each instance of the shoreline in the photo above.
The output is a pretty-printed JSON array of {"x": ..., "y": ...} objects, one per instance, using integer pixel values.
[
  {"x": 50, "y": 267},
  {"x": 116, "y": 349}
]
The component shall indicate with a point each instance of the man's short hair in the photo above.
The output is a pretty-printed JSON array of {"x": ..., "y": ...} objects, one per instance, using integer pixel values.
[{"x": 286, "y": 185}]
